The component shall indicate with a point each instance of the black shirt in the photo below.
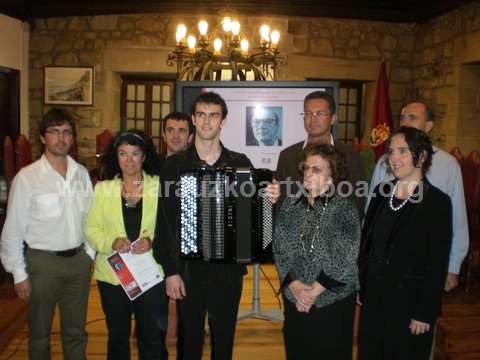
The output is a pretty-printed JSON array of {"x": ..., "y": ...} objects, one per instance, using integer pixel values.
[
  {"x": 166, "y": 245},
  {"x": 132, "y": 219}
]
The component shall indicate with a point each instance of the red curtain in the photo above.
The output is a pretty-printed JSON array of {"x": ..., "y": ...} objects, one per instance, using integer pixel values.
[{"x": 382, "y": 123}]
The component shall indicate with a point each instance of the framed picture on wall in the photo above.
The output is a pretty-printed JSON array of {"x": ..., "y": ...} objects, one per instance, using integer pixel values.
[{"x": 68, "y": 85}]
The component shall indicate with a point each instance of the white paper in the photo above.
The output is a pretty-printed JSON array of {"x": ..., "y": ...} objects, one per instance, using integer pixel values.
[{"x": 136, "y": 272}]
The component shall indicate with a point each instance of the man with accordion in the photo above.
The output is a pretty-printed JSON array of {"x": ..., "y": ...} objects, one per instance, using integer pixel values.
[{"x": 213, "y": 286}]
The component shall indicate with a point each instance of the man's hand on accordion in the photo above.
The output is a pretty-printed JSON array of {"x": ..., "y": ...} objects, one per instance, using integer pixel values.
[
  {"x": 272, "y": 191},
  {"x": 175, "y": 287}
]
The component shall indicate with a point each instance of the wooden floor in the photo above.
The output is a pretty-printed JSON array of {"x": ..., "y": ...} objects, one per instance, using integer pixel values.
[
  {"x": 255, "y": 339},
  {"x": 458, "y": 335}
]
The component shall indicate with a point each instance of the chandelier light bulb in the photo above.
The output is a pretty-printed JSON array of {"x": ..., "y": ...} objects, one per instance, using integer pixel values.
[
  {"x": 191, "y": 41},
  {"x": 244, "y": 45},
  {"x": 235, "y": 28},
  {"x": 217, "y": 45},
  {"x": 203, "y": 27},
  {"x": 275, "y": 36},
  {"x": 265, "y": 32},
  {"x": 181, "y": 32},
  {"x": 227, "y": 24}
]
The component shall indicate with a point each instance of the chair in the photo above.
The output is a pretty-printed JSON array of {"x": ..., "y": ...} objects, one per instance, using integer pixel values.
[
  {"x": 23, "y": 152},
  {"x": 471, "y": 183},
  {"x": 457, "y": 154}
]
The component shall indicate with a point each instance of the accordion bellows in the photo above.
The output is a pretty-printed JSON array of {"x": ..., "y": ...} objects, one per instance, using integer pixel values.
[{"x": 224, "y": 215}]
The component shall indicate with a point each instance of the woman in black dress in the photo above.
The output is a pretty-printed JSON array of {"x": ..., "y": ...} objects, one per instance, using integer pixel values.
[{"x": 404, "y": 255}]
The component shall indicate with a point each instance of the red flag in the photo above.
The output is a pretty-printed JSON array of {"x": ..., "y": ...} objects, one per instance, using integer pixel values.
[{"x": 382, "y": 116}]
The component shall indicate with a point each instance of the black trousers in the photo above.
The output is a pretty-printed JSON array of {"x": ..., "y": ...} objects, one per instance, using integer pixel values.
[
  {"x": 322, "y": 333},
  {"x": 209, "y": 289},
  {"x": 151, "y": 317},
  {"x": 385, "y": 317}
]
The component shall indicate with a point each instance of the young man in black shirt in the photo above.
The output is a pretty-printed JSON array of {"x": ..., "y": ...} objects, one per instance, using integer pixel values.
[{"x": 200, "y": 287}]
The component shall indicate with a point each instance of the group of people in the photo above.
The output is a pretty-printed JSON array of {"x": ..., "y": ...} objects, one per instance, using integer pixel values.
[{"x": 409, "y": 249}]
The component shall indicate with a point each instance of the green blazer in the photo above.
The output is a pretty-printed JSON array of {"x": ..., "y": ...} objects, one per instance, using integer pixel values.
[{"x": 105, "y": 221}]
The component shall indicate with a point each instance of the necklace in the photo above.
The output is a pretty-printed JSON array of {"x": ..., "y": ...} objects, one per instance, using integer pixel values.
[
  {"x": 315, "y": 232},
  {"x": 402, "y": 204},
  {"x": 133, "y": 197}
]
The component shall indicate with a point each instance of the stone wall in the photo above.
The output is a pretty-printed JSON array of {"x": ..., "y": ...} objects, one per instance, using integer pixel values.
[
  {"x": 446, "y": 74},
  {"x": 313, "y": 48}
]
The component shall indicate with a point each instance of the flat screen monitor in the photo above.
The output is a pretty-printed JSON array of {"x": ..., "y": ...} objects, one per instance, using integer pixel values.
[{"x": 263, "y": 117}]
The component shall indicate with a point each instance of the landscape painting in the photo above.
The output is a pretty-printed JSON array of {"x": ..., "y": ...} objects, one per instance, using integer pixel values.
[{"x": 68, "y": 85}]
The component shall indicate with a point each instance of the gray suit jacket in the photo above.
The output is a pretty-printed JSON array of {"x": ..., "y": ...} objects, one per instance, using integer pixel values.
[{"x": 289, "y": 160}]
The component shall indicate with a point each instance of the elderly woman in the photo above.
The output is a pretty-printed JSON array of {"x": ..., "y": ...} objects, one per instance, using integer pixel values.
[
  {"x": 317, "y": 236},
  {"x": 404, "y": 255},
  {"x": 122, "y": 219}
]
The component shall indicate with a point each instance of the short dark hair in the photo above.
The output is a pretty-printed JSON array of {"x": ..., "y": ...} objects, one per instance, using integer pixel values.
[
  {"x": 335, "y": 158},
  {"x": 418, "y": 143},
  {"x": 428, "y": 110},
  {"x": 210, "y": 98},
  {"x": 179, "y": 116},
  {"x": 57, "y": 116},
  {"x": 324, "y": 96},
  {"x": 131, "y": 137}
]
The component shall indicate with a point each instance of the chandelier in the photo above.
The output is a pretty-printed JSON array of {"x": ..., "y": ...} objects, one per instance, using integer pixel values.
[{"x": 225, "y": 54}]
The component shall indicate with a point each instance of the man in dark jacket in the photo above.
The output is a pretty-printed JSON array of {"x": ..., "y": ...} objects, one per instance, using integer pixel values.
[{"x": 319, "y": 115}]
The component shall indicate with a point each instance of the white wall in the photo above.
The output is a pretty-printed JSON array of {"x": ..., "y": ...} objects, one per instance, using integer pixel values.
[{"x": 14, "y": 40}]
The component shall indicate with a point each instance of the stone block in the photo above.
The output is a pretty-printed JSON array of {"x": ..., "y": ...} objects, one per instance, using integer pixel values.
[
  {"x": 373, "y": 37},
  {"x": 35, "y": 78},
  {"x": 354, "y": 42},
  {"x": 401, "y": 74},
  {"x": 351, "y": 53},
  {"x": 339, "y": 52},
  {"x": 56, "y": 23},
  {"x": 406, "y": 42},
  {"x": 87, "y": 57},
  {"x": 389, "y": 43},
  {"x": 80, "y": 44},
  {"x": 321, "y": 47},
  {"x": 104, "y": 22},
  {"x": 64, "y": 46},
  {"x": 369, "y": 51},
  {"x": 120, "y": 43},
  {"x": 41, "y": 44},
  {"x": 150, "y": 24},
  {"x": 39, "y": 25},
  {"x": 78, "y": 23},
  {"x": 149, "y": 40},
  {"x": 397, "y": 91},
  {"x": 100, "y": 44},
  {"x": 42, "y": 60},
  {"x": 126, "y": 23},
  {"x": 66, "y": 59},
  {"x": 300, "y": 44},
  {"x": 298, "y": 27},
  {"x": 91, "y": 35}
]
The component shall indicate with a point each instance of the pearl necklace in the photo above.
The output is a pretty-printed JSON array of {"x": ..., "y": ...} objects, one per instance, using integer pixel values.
[{"x": 402, "y": 204}]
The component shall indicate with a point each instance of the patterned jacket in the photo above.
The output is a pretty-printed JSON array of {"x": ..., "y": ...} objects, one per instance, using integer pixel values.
[{"x": 319, "y": 242}]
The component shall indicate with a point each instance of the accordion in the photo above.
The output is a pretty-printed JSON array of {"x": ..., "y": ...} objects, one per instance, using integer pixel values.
[{"x": 225, "y": 216}]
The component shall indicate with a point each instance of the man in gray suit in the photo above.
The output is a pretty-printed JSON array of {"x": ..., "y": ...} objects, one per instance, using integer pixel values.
[{"x": 319, "y": 115}]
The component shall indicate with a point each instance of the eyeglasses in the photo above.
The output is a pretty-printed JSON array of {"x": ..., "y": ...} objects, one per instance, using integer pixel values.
[
  {"x": 58, "y": 132},
  {"x": 319, "y": 114},
  {"x": 303, "y": 169},
  {"x": 211, "y": 116}
]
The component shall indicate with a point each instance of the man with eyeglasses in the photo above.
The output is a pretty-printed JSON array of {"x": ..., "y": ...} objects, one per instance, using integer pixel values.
[
  {"x": 265, "y": 126},
  {"x": 201, "y": 287},
  {"x": 445, "y": 173},
  {"x": 43, "y": 243},
  {"x": 319, "y": 115}
]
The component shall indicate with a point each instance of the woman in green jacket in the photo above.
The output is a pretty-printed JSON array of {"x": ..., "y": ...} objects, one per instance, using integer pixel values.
[{"x": 124, "y": 210}]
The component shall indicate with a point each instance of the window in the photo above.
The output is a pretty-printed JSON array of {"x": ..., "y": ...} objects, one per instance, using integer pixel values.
[
  {"x": 144, "y": 102},
  {"x": 349, "y": 111}
]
